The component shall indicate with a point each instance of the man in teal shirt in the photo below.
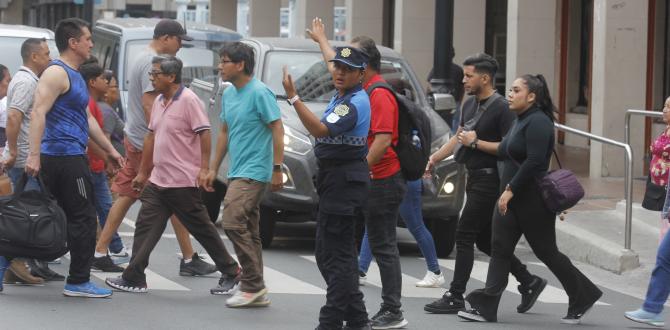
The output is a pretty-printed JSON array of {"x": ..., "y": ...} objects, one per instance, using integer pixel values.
[{"x": 252, "y": 130}]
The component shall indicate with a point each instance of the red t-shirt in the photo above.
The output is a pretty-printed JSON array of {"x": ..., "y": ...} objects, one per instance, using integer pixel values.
[
  {"x": 97, "y": 165},
  {"x": 383, "y": 119}
]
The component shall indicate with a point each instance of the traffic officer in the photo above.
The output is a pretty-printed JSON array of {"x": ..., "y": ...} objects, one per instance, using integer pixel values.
[{"x": 343, "y": 182}]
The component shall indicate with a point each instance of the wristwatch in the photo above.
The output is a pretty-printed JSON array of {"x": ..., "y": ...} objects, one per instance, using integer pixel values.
[
  {"x": 293, "y": 100},
  {"x": 276, "y": 168},
  {"x": 473, "y": 144}
]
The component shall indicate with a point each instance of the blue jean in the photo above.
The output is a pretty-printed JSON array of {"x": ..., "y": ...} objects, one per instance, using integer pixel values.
[
  {"x": 659, "y": 284},
  {"x": 15, "y": 174},
  {"x": 103, "y": 202},
  {"x": 410, "y": 211}
]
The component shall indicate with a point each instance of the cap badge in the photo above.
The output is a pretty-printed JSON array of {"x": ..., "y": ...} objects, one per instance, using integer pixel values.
[{"x": 346, "y": 52}]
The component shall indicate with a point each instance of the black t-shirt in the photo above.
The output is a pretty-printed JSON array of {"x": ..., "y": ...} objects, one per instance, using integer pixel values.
[{"x": 491, "y": 127}]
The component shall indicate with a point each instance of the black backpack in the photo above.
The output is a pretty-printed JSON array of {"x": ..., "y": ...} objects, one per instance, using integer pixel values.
[
  {"x": 411, "y": 117},
  {"x": 32, "y": 225}
]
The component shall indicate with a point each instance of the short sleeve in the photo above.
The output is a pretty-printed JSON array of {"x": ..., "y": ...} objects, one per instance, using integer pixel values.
[
  {"x": 266, "y": 105},
  {"x": 108, "y": 119},
  {"x": 197, "y": 118},
  {"x": 147, "y": 87},
  {"x": 342, "y": 119},
  {"x": 222, "y": 116},
  {"x": 155, "y": 112},
  {"x": 22, "y": 95},
  {"x": 384, "y": 112}
]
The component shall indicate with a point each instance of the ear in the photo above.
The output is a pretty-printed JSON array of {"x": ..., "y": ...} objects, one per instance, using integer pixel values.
[
  {"x": 172, "y": 77},
  {"x": 240, "y": 66},
  {"x": 530, "y": 97}
]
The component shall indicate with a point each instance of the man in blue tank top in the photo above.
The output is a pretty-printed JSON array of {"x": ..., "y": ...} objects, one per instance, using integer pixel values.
[{"x": 60, "y": 127}]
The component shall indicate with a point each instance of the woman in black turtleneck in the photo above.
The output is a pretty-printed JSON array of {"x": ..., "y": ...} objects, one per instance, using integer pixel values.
[{"x": 526, "y": 151}]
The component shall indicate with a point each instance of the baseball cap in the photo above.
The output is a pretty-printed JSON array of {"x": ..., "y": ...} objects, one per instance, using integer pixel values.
[
  {"x": 351, "y": 56},
  {"x": 171, "y": 28}
]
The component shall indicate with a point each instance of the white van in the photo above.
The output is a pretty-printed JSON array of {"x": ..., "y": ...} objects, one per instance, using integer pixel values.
[{"x": 11, "y": 39}]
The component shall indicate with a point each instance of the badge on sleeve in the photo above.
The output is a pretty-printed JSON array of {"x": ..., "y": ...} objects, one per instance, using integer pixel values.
[
  {"x": 332, "y": 118},
  {"x": 341, "y": 110}
]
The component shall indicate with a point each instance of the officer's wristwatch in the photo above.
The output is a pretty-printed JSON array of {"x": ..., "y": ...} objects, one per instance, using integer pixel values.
[
  {"x": 473, "y": 144},
  {"x": 276, "y": 168},
  {"x": 293, "y": 100}
]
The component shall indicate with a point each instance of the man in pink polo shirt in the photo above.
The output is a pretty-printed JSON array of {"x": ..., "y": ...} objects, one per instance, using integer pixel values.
[{"x": 176, "y": 153}]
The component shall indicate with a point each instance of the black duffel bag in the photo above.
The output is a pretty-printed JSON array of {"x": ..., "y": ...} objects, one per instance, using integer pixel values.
[{"x": 32, "y": 225}]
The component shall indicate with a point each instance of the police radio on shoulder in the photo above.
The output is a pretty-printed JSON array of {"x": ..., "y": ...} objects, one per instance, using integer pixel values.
[{"x": 293, "y": 100}]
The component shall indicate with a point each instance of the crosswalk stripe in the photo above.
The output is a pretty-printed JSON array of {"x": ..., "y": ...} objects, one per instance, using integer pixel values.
[
  {"x": 550, "y": 295},
  {"x": 154, "y": 281},
  {"x": 278, "y": 282}
]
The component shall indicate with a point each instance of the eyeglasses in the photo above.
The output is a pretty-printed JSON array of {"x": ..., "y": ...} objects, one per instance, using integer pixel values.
[{"x": 155, "y": 73}]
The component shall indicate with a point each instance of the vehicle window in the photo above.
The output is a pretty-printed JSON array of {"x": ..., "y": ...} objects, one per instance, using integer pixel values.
[
  {"x": 200, "y": 59},
  {"x": 308, "y": 70},
  {"x": 11, "y": 52}
]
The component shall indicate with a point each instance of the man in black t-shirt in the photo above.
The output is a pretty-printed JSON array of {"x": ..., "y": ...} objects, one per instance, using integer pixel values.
[{"x": 486, "y": 119}]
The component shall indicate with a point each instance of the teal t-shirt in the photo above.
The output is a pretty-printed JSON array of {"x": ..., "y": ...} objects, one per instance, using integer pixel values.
[{"x": 248, "y": 111}]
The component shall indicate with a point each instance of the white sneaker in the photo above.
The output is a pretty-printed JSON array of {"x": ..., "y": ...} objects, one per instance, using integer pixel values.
[{"x": 431, "y": 280}]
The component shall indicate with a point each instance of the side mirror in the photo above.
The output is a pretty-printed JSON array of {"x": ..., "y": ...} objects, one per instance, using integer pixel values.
[{"x": 442, "y": 102}]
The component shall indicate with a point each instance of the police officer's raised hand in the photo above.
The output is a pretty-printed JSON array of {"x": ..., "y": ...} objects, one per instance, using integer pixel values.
[
  {"x": 287, "y": 82},
  {"x": 33, "y": 164},
  {"x": 318, "y": 31}
]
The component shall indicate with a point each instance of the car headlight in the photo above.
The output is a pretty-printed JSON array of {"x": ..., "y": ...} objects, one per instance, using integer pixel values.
[
  {"x": 295, "y": 142},
  {"x": 439, "y": 142}
]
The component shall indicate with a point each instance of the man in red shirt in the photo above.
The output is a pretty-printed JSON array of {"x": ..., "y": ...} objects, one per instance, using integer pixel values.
[
  {"x": 97, "y": 87},
  {"x": 388, "y": 186}
]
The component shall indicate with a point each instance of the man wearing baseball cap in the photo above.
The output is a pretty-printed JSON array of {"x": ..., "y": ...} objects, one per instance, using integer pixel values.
[{"x": 168, "y": 35}]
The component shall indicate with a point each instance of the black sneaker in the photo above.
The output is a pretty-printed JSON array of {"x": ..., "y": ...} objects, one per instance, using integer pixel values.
[
  {"x": 474, "y": 315},
  {"x": 227, "y": 284},
  {"x": 197, "y": 267},
  {"x": 105, "y": 264},
  {"x": 448, "y": 304},
  {"x": 41, "y": 269},
  {"x": 388, "y": 319},
  {"x": 577, "y": 315},
  {"x": 120, "y": 284},
  {"x": 530, "y": 293}
]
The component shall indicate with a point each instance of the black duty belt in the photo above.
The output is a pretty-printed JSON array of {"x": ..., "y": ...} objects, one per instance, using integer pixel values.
[{"x": 482, "y": 171}]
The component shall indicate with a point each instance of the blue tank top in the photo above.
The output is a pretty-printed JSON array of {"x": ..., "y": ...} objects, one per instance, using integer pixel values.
[{"x": 66, "y": 128}]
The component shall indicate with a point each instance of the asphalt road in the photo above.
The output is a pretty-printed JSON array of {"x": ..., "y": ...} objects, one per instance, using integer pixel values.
[{"x": 296, "y": 291}]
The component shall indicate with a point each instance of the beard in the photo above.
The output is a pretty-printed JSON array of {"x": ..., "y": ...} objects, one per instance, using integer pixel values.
[{"x": 474, "y": 90}]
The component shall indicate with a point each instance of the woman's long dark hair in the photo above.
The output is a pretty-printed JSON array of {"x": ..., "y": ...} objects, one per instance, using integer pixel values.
[{"x": 538, "y": 85}]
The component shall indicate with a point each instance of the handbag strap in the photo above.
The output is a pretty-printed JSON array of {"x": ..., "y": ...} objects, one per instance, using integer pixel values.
[{"x": 23, "y": 181}]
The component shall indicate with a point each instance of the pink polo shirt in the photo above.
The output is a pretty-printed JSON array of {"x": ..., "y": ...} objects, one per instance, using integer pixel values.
[{"x": 176, "y": 141}]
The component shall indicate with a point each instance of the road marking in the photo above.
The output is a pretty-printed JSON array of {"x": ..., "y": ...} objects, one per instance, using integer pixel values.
[
  {"x": 550, "y": 295},
  {"x": 278, "y": 282}
]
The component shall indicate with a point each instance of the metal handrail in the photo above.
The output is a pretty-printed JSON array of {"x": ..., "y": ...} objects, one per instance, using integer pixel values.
[{"x": 628, "y": 170}]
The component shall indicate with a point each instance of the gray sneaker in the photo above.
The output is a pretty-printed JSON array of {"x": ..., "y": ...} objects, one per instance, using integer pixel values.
[
  {"x": 228, "y": 284},
  {"x": 196, "y": 267},
  {"x": 388, "y": 319}
]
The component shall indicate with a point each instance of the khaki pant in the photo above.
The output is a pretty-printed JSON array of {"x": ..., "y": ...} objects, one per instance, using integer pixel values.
[{"x": 241, "y": 223}]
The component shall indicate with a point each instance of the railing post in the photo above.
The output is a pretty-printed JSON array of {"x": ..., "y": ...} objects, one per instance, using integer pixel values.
[{"x": 629, "y": 196}]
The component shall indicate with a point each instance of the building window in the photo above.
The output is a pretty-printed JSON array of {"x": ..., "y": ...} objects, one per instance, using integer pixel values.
[
  {"x": 340, "y": 23},
  {"x": 495, "y": 42}
]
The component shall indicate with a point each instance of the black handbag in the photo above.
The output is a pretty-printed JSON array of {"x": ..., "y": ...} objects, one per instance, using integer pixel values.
[
  {"x": 32, "y": 225},
  {"x": 654, "y": 196}
]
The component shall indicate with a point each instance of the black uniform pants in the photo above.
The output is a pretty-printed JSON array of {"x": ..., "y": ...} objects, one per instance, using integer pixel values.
[
  {"x": 527, "y": 215},
  {"x": 68, "y": 178},
  {"x": 474, "y": 226},
  {"x": 343, "y": 189}
]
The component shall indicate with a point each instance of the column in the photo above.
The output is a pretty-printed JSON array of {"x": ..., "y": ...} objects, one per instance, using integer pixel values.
[
  {"x": 469, "y": 28},
  {"x": 532, "y": 40},
  {"x": 306, "y": 10},
  {"x": 415, "y": 34},
  {"x": 618, "y": 81},
  {"x": 264, "y": 18},
  {"x": 223, "y": 13},
  {"x": 365, "y": 18}
]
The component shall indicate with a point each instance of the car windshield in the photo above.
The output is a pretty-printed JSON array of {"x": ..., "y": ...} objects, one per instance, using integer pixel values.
[
  {"x": 200, "y": 58},
  {"x": 11, "y": 52},
  {"x": 313, "y": 81}
]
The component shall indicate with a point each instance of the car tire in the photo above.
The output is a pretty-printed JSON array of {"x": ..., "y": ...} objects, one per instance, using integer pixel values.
[
  {"x": 268, "y": 219},
  {"x": 444, "y": 235}
]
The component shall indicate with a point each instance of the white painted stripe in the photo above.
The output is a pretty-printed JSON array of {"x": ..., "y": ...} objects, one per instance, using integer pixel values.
[
  {"x": 409, "y": 288},
  {"x": 278, "y": 282},
  {"x": 550, "y": 295},
  {"x": 129, "y": 222},
  {"x": 154, "y": 281}
]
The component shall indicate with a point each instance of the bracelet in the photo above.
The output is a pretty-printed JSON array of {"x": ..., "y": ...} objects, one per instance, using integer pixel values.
[{"x": 293, "y": 100}]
